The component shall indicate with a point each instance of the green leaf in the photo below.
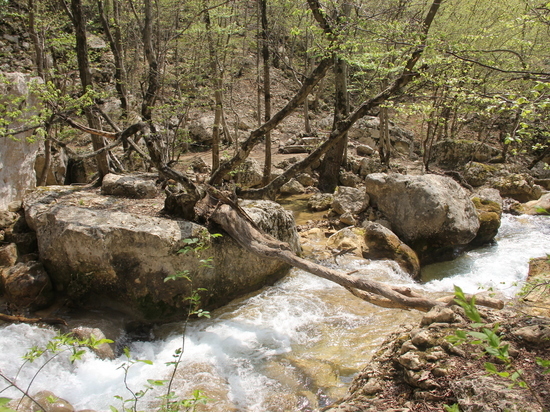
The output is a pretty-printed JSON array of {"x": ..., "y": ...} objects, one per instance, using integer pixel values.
[{"x": 146, "y": 361}]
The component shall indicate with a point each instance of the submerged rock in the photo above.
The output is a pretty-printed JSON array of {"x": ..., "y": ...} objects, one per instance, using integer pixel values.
[{"x": 382, "y": 243}]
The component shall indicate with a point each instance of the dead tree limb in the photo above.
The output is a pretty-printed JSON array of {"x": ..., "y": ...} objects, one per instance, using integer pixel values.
[
  {"x": 217, "y": 209},
  {"x": 23, "y": 319}
]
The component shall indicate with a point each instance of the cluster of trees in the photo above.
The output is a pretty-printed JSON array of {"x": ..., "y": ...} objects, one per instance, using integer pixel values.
[{"x": 470, "y": 67}]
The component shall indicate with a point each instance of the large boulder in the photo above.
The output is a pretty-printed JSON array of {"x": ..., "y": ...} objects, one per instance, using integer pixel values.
[
  {"x": 18, "y": 152},
  {"x": 433, "y": 214},
  {"x": 95, "y": 255}
]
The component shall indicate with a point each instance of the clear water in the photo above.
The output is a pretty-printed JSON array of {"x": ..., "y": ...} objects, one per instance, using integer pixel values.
[{"x": 294, "y": 346}]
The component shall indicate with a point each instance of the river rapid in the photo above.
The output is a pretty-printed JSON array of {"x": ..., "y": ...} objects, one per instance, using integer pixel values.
[{"x": 294, "y": 346}]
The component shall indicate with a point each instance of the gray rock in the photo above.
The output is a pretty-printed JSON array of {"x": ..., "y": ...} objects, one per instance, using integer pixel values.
[
  {"x": 320, "y": 201},
  {"x": 426, "y": 212},
  {"x": 438, "y": 314},
  {"x": 249, "y": 174},
  {"x": 538, "y": 335},
  {"x": 452, "y": 153},
  {"x": 8, "y": 255},
  {"x": 292, "y": 187},
  {"x": 27, "y": 285},
  {"x": 520, "y": 187},
  {"x": 479, "y": 392},
  {"x": 305, "y": 179},
  {"x": 347, "y": 219},
  {"x": 7, "y": 219},
  {"x": 57, "y": 171},
  {"x": 125, "y": 257},
  {"x": 348, "y": 179},
  {"x": 364, "y": 150},
  {"x": 349, "y": 199},
  {"x": 130, "y": 186}
]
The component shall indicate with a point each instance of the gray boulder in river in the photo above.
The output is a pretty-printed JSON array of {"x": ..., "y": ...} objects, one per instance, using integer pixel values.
[
  {"x": 97, "y": 255},
  {"x": 433, "y": 214}
]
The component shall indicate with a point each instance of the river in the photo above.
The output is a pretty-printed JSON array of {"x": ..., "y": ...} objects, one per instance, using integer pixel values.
[{"x": 294, "y": 346}]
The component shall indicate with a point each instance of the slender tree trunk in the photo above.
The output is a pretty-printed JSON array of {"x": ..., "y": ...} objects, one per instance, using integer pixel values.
[
  {"x": 115, "y": 44},
  {"x": 385, "y": 143},
  {"x": 79, "y": 23},
  {"x": 218, "y": 84},
  {"x": 267, "y": 92},
  {"x": 329, "y": 173},
  {"x": 39, "y": 59}
]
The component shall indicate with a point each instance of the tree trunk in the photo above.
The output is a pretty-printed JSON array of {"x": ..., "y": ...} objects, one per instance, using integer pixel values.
[
  {"x": 39, "y": 59},
  {"x": 79, "y": 23},
  {"x": 267, "y": 93},
  {"x": 116, "y": 48},
  {"x": 334, "y": 158}
]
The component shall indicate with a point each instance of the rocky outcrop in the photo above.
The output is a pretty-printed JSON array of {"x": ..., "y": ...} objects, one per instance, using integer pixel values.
[
  {"x": 418, "y": 368},
  {"x": 431, "y": 213},
  {"x": 94, "y": 254},
  {"x": 18, "y": 154},
  {"x": 518, "y": 186},
  {"x": 452, "y": 153}
]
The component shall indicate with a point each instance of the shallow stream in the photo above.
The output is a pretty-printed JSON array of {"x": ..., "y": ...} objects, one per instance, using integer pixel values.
[{"x": 294, "y": 346}]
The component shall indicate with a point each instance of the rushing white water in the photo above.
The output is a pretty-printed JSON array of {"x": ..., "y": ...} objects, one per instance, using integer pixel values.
[{"x": 293, "y": 346}]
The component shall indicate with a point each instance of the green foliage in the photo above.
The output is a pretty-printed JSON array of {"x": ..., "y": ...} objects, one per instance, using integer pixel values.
[
  {"x": 492, "y": 344},
  {"x": 3, "y": 407},
  {"x": 452, "y": 408}
]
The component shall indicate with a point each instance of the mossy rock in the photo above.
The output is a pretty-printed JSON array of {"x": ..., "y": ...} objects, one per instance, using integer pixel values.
[
  {"x": 489, "y": 213},
  {"x": 478, "y": 174}
]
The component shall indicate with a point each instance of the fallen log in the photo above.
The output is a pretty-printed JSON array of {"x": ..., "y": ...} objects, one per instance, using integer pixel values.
[
  {"x": 23, "y": 319},
  {"x": 220, "y": 209}
]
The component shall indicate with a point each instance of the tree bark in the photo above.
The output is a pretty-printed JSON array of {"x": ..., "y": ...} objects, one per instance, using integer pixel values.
[{"x": 329, "y": 173}]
